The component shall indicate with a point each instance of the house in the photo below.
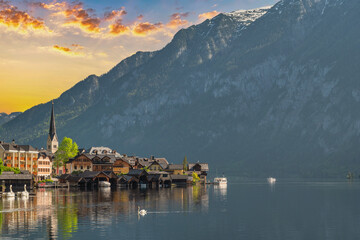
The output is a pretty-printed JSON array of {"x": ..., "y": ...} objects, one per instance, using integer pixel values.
[
  {"x": 103, "y": 162},
  {"x": 81, "y": 162},
  {"x": 200, "y": 169},
  {"x": 121, "y": 166},
  {"x": 155, "y": 166},
  {"x": 44, "y": 164},
  {"x": 176, "y": 169},
  {"x": 103, "y": 151},
  {"x": 89, "y": 178},
  {"x": 162, "y": 161},
  {"x": 181, "y": 180},
  {"x": 129, "y": 181},
  {"x": 24, "y": 157},
  {"x": 157, "y": 178},
  {"x": 142, "y": 163},
  {"x": 140, "y": 174}
]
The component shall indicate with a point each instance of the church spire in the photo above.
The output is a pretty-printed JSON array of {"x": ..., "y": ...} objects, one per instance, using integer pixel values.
[
  {"x": 52, "y": 130},
  {"x": 52, "y": 141}
]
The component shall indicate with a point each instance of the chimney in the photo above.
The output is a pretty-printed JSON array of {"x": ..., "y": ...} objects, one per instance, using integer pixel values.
[
  {"x": 13, "y": 141},
  {"x": 152, "y": 157}
]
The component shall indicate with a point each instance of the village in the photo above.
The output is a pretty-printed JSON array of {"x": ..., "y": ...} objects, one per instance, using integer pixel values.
[{"x": 91, "y": 168}]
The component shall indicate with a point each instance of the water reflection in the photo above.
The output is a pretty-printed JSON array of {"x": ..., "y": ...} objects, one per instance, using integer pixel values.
[
  {"x": 60, "y": 213},
  {"x": 221, "y": 191}
]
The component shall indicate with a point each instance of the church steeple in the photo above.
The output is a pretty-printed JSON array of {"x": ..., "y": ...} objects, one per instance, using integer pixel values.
[
  {"x": 52, "y": 141},
  {"x": 52, "y": 130}
]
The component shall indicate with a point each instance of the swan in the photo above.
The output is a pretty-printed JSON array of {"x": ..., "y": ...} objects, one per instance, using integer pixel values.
[
  {"x": 9, "y": 194},
  {"x": 25, "y": 193},
  {"x": 141, "y": 212}
]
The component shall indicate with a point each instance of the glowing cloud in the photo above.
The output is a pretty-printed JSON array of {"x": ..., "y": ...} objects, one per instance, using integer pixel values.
[
  {"x": 12, "y": 17},
  {"x": 68, "y": 51},
  {"x": 176, "y": 20},
  {"x": 145, "y": 28},
  {"x": 118, "y": 28},
  {"x": 75, "y": 15},
  {"x": 108, "y": 16},
  {"x": 208, "y": 15}
]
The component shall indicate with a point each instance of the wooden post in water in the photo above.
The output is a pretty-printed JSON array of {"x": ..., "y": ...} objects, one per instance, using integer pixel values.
[{"x": 3, "y": 187}]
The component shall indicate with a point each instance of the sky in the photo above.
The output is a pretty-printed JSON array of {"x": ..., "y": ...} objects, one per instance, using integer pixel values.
[{"x": 46, "y": 47}]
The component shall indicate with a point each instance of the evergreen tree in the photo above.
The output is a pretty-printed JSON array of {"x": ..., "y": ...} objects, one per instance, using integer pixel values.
[{"x": 185, "y": 164}]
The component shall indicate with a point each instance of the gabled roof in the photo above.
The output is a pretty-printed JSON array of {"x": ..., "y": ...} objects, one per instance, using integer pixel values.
[
  {"x": 16, "y": 147},
  {"x": 136, "y": 172},
  {"x": 204, "y": 166},
  {"x": 145, "y": 162},
  {"x": 64, "y": 176},
  {"x": 175, "y": 167},
  {"x": 163, "y": 162}
]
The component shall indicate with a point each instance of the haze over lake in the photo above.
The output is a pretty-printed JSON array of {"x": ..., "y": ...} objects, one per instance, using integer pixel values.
[{"x": 242, "y": 210}]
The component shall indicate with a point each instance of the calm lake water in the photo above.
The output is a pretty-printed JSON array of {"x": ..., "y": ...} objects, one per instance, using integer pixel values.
[{"x": 243, "y": 210}]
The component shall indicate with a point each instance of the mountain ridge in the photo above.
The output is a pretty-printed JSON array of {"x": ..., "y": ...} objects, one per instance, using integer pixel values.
[{"x": 278, "y": 96}]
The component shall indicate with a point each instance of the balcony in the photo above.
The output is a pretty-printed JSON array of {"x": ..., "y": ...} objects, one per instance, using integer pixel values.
[
  {"x": 8, "y": 165},
  {"x": 8, "y": 158},
  {"x": 22, "y": 158},
  {"x": 16, "y": 158},
  {"x": 34, "y": 159},
  {"x": 22, "y": 166},
  {"x": 28, "y": 166},
  {"x": 16, "y": 165},
  {"x": 35, "y": 166}
]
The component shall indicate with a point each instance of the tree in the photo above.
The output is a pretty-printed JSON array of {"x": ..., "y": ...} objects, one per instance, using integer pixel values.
[
  {"x": 67, "y": 149},
  {"x": 8, "y": 169},
  {"x": 185, "y": 164}
]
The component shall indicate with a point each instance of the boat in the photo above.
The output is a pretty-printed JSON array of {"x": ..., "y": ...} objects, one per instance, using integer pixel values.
[
  {"x": 104, "y": 184},
  {"x": 220, "y": 180},
  {"x": 271, "y": 180}
]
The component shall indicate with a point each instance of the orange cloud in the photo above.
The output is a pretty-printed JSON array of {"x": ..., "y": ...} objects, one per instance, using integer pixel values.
[
  {"x": 63, "y": 49},
  {"x": 140, "y": 17},
  {"x": 75, "y": 15},
  {"x": 118, "y": 28},
  {"x": 11, "y": 17},
  {"x": 146, "y": 28},
  {"x": 176, "y": 21},
  {"x": 69, "y": 51},
  {"x": 208, "y": 15},
  {"x": 108, "y": 16}
]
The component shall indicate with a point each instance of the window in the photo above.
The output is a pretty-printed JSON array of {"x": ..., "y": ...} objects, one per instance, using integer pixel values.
[
  {"x": 82, "y": 167},
  {"x": 49, "y": 146},
  {"x": 55, "y": 146},
  {"x": 75, "y": 167},
  {"x": 88, "y": 167}
]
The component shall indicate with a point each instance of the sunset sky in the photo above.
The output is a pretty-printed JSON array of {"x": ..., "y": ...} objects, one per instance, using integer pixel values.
[{"x": 46, "y": 47}]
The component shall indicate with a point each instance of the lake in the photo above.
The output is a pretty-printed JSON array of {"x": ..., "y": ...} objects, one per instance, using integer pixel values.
[{"x": 242, "y": 210}]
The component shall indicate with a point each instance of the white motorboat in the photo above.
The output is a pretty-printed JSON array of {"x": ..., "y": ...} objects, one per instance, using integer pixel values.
[
  {"x": 220, "y": 181},
  {"x": 271, "y": 180},
  {"x": 104, "y": 184}
]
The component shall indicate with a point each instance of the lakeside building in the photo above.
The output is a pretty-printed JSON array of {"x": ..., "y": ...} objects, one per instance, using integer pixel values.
[
  {"x": 45, "y": 165},
  {"x": 24, "y": 157}
]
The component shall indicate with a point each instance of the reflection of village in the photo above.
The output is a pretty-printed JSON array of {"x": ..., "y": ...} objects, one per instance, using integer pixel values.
[{"x": 59, "y": 211}]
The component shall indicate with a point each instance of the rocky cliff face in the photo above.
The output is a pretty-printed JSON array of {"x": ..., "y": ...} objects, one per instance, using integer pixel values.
[{"x": 267, "y": 91}]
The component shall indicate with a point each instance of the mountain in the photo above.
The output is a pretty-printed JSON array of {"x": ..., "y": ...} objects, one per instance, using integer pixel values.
[
  {"x": 271, "y": 91},
  {"x": 4, "y": 117}
]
